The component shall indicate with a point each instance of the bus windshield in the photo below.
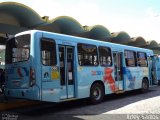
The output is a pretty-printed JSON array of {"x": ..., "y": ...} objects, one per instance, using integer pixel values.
[{"x": 18, "y": 49}]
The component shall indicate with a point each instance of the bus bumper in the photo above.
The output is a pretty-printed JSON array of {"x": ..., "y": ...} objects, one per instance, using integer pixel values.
[{"x": 32, "y": 94}]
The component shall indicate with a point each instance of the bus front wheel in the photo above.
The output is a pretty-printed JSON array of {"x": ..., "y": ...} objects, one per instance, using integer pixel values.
[
  {"x": 145, "y": 86},
  {"x": 96, "y": 93}
]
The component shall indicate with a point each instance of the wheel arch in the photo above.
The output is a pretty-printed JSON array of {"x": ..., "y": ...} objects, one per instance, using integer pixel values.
[
  {"x": 145, "y": 85},
  {"x": 146, "y": 78},
  {"x": 97, "y": 92},
  {"x": 100, "y": 82}
]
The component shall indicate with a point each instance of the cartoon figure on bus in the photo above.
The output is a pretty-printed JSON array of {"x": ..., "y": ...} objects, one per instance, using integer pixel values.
[
  {"x": 109, "y": 79},
  {"x": 131, "y": 79},
  {"x": 22, "y": 72},
  {"x": 19, "y": 72}
]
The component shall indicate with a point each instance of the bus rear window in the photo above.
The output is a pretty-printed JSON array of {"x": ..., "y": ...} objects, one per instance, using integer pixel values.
[{"x": 18, "y": 49}]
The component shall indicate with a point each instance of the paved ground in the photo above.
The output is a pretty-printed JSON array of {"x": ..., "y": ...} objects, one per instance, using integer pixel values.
[{"x": 128, "y": 106}]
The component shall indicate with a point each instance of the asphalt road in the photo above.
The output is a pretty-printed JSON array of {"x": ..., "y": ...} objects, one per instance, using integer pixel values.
[{"x": 127, "y": 106}]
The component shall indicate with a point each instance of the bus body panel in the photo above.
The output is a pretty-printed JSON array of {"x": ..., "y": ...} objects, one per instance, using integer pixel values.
[
  {"x": 134, "y": 77},
  {"x": 19, "y": 74},
  {"x": 50, "y": 86}
]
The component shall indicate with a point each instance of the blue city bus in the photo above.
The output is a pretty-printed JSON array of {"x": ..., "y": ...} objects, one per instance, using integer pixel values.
[{"x": 54, "y": 67}]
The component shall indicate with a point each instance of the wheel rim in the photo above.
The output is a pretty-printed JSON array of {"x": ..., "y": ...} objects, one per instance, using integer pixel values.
[{"x": 97, "y": 93}]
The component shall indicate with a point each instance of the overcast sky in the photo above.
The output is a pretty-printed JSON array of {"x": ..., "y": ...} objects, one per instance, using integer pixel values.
[{"x": 136, "y": 17}]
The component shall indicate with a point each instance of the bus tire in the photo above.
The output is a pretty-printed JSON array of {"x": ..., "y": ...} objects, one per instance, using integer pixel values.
[
  {"x": 145, "y": 86},
  {"x": 96, "y": 93}
]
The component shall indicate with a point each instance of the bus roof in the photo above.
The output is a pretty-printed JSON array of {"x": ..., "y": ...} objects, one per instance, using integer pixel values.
[{"x": 86, "y": 40}]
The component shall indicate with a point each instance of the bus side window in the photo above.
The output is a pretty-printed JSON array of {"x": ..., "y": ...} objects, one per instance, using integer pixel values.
[
  {"x": 87, "y": 55},
  {"x": 48, "y": 52},
  {"x": 130, "y": 58},
  {"x": 105, "y": 56},
  {"x": 142, "y": 59}
]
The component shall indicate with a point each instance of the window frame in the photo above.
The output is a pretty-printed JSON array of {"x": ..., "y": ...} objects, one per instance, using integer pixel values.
[
  {"x": 55, "y": 50},
  {"x": 29, "y": 50},
  {"x": 83, "y": 59},
  {"x": 108, "y": 56},
  {"x": 145, "y": 59},
  {"x": 135, "y": 58}
]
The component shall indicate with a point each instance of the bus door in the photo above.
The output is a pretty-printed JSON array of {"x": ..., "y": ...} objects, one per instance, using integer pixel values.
[
  {"x": 155, "y": 69},
  {"x": 67, "y": 77},
  {"x": 118, "y": 69}
]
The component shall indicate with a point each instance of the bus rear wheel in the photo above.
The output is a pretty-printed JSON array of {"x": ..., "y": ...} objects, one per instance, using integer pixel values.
[
  {"x": 145, "y": 86},
  {"x": 96, "y": 93}
]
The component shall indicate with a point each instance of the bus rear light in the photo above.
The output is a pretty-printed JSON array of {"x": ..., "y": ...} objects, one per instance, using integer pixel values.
[{"x": 32, "y": 77}]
